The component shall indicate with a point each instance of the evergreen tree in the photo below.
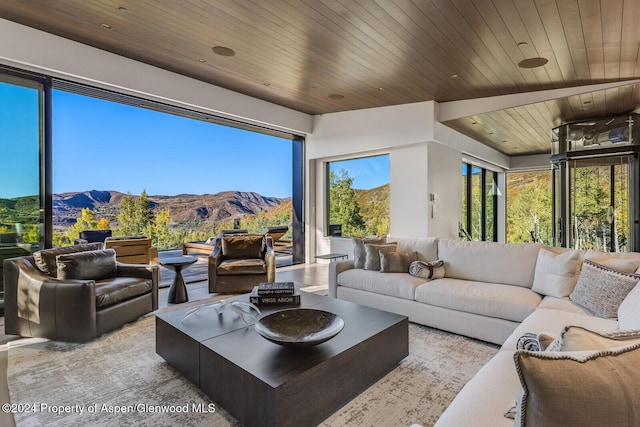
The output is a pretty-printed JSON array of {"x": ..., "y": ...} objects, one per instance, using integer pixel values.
[{"x": 135, "y": 216}]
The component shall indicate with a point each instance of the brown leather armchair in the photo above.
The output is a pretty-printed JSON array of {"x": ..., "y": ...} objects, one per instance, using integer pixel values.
[
  {"x": 240, "y": 262},
  {"x": 75, "y": 293}
]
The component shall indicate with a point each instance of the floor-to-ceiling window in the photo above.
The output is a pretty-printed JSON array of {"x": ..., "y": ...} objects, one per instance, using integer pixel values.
[
  {"x": 21, "y": 168},
  {"x": 479, "y": 203},
  {"x": 195, "y": 176},
  {"x": 196, "y": 173},
  {"x": 529, "y": 207}
]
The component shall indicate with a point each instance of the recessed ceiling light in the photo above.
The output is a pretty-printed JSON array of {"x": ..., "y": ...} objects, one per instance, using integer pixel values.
[
  {"x": 380, "y": 89},
  {"x": 474, "y": 122},
  {"x": 336, "y": 96},
  {"x": 587, "y": 102},
  {"x": 490, "y": 133},
  {"x": 123, "y": 9},
  {"x": 522, "y": 44},
  {"x": 202, "y": 60},
  {"x": 453, "y": 76},
  {"x": 107, "y": 26},
  {"x": 266, "y": 84},
  {"x": 533, "y": 62},
  {"x": 223, "y": 51}
]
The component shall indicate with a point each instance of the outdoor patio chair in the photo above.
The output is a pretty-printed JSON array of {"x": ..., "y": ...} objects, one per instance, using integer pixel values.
[
  {"x": 206, "y": 246},
  {"x": 92, "y": 236},
  {"x": 133, "y": 249},
  {"x": 277, "y": 233}
]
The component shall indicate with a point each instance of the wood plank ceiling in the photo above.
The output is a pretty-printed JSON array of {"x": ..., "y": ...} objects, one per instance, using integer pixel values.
[{"x": 322, "y": 56}]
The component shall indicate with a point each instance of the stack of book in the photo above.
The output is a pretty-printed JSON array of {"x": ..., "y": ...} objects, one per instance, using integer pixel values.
[{"x": 278, "y": 293}]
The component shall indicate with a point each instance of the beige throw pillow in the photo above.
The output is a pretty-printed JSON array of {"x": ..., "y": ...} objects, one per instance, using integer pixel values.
[
  {"x": 577, "y": 338},
  {"x": 556, "y": 274},
  {"x": 359, "y": 252},
  {"x": 628, "y": 262},
  {"x": 396, "y": 262},
  {"x": 586, "y": 389},
  {"x": 373, "y": 255}
]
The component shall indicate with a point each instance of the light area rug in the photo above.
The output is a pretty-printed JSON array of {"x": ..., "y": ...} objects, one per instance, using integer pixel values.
[{"x": 124, "y": 382}]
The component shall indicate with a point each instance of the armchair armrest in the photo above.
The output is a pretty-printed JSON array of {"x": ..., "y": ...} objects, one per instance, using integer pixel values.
[
  {"x": 39, "y": 305},
  {"x": 336, "y": 268},
  {"x": 214, "y": 260},
  {"x": 142, "y": 271}
]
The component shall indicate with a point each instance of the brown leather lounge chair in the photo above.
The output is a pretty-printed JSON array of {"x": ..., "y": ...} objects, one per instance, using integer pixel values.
[{"x": 75, "y": 293}]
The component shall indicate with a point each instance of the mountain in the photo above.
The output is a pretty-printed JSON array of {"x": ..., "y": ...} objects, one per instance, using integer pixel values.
[
  {"x": 191, "y": 210},
  {"x": 374, "y": 208}
]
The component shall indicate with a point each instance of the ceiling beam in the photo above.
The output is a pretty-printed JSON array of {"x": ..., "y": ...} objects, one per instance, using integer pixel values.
[{"x": 453, "y": 110}]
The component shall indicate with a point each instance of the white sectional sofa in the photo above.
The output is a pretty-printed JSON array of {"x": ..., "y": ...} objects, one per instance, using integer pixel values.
[{"x": 495, "y": 292}]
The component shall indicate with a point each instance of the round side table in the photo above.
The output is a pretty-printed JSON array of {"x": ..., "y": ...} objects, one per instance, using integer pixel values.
[{"x": 178, "y": 289}]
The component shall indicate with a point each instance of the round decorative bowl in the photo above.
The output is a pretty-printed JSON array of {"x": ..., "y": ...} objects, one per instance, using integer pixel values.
[{"x": 299, "y": 327}]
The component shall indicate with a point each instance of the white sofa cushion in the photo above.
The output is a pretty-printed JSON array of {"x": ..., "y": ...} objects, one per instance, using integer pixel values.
[
  {"x": 629, "y": 310},
  {"x": 484, "y": 400},
  {"x": 427, "y": 248},
  {"x": 552, "y": 321},
  {"x": 488, "y": 299},
  {"x": 628, "y": 262},
  {"x": 400, "y": 285},
  {"x": 563, "y": 304},
  {"x": 508, "y": 263},
  {"x": 557, "y": 271}
]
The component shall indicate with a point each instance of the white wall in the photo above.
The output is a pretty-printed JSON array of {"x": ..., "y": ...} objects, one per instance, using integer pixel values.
[
  {"x": 445, "y": 181},
  {"x": 26, "y": 48},
  {"x": 539, "y": 161},
  {"x": 425, "y": 157},
  {"x": 362, "y": 131},
  {"x": 409, "y": 195}
]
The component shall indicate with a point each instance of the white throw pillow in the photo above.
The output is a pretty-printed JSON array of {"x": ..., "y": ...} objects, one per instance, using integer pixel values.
[
  {"x": 629, "y": 310},
  {"x": 556, "y": 274}
]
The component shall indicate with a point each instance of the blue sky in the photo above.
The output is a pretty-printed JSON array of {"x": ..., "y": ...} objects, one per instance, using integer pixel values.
[
  {"x": 18, "y": 161},
  {"x": 367, "y": 172},
  {"x": 101, "y": 145}
]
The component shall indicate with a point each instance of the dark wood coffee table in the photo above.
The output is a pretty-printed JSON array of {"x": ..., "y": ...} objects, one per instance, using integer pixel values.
[{"x": 262, "y": 383}]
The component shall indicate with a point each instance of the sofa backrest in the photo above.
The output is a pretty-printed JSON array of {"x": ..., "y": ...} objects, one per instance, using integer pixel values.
[
  {"x": 506, "y": 263},
  {"x": 427, "y": 248}
]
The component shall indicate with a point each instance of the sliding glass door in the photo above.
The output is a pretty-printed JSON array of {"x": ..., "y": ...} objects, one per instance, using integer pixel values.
[{"x": 21, "y": 168}]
